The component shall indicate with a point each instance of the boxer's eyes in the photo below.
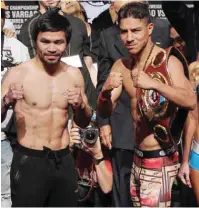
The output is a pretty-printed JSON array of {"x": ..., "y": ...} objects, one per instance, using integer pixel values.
[{"x": 59, "y": 42}]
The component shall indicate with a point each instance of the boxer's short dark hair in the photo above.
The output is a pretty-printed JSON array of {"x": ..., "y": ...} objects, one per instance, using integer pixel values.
[
  {"x": 137, "y": 10},
  {"x": 52, "y": 21}
]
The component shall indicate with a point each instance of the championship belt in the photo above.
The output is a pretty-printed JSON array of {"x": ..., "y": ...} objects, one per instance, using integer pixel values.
[{"x": 166, "y": 119}]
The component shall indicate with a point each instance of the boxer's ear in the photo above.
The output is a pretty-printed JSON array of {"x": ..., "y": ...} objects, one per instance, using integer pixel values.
[{"x": 150, "y": 28}]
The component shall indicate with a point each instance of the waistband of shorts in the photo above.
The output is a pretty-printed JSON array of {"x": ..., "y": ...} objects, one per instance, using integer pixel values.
[
  {"x": 195, "y": 146},
  {"x": 46, "y": 152},
  {"x": 155, "y": 153},
  {"x": 156, "y": 163}
]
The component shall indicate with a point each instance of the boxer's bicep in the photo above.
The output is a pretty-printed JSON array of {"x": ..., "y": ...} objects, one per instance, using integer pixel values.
[{"x": 80, "y": 81}]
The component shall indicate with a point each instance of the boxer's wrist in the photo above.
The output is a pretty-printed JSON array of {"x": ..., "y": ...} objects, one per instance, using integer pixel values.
[
  {"x": 105, "y": 95},
  {"x": 7, "y": 99},
  {"x": 84, "y": 103},
  {"x": 82, "y": 106},
  {"x": 6, "y": 102}
]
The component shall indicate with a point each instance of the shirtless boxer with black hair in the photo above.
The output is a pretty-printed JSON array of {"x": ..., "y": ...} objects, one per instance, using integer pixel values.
[{"x": 41, "y": 91}]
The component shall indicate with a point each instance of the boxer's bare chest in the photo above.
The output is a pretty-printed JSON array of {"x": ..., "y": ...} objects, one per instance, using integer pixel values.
[{"x": 43, "y": 92}]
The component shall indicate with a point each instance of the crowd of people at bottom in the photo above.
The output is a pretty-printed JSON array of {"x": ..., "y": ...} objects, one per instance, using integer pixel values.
[{"x": 63, "y": 145}]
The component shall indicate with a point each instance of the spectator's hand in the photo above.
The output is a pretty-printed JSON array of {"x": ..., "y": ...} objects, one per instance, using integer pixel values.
[
  {"x": 74, "y": 136},
  {"x": 95, "y": 150},
  {"x": 184, "y": 174},
  {"x": 106, "y": 135},
  {"x": 14, "y": 93},
  {"x": 8, "y": 33}
]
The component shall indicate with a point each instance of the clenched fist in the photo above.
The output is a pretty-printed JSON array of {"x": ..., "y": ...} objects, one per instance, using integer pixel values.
[
  {"x": 114, "y": 80},
  {"x": 14, "y": 93},
  {"x": 75, "y": 97},
  {"x": 142, "y": 80}
]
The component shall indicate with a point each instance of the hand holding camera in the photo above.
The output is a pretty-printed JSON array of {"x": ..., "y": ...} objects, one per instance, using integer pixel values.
[
  {"x": 87, "y": 140},
  {"x": 74, "y": 136}
]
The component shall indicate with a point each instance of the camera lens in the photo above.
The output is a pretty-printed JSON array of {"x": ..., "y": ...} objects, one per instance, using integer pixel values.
[{"x": 90, "y": 135}]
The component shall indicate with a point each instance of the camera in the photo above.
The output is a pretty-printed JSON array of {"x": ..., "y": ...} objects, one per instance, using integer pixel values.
[{"x": 89, "y": 135}]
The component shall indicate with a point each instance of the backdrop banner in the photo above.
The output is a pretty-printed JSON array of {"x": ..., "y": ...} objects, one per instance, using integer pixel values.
[{"x": 19, "y": 11}]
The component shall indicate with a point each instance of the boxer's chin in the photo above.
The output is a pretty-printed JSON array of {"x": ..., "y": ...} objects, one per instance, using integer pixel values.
[{"x": 52, "y": 61}]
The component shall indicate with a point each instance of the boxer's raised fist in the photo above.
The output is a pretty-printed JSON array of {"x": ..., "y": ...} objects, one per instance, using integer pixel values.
[
  {"x": 142, "y": 80},
  {"x": 114, "y": 80},
  {"x": 15, "y": 92},
  {"x": 75, "y": 97}
]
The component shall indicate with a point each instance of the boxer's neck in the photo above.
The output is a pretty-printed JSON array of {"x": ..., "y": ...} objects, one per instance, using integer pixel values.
[
  {"x": 50, "y": 69},
  {"x": 142, "y": 58}
]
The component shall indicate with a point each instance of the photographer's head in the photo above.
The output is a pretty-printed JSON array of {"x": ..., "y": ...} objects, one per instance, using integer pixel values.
[
  {"x": 51, "y": 34},
  {"x": 135, "y": 26}
]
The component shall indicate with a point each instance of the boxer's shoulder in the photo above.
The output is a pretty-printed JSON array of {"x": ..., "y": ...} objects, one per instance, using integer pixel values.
[
  {"x": 72, "y": 71},
  {"x": 121, "y": 64}
]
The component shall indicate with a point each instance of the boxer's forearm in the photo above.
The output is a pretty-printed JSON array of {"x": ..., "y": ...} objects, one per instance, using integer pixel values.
[
  {"x": 83, "y": 114},
  {"x": 177, "y": 95},
  {"x": 105, "y": 105}
]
